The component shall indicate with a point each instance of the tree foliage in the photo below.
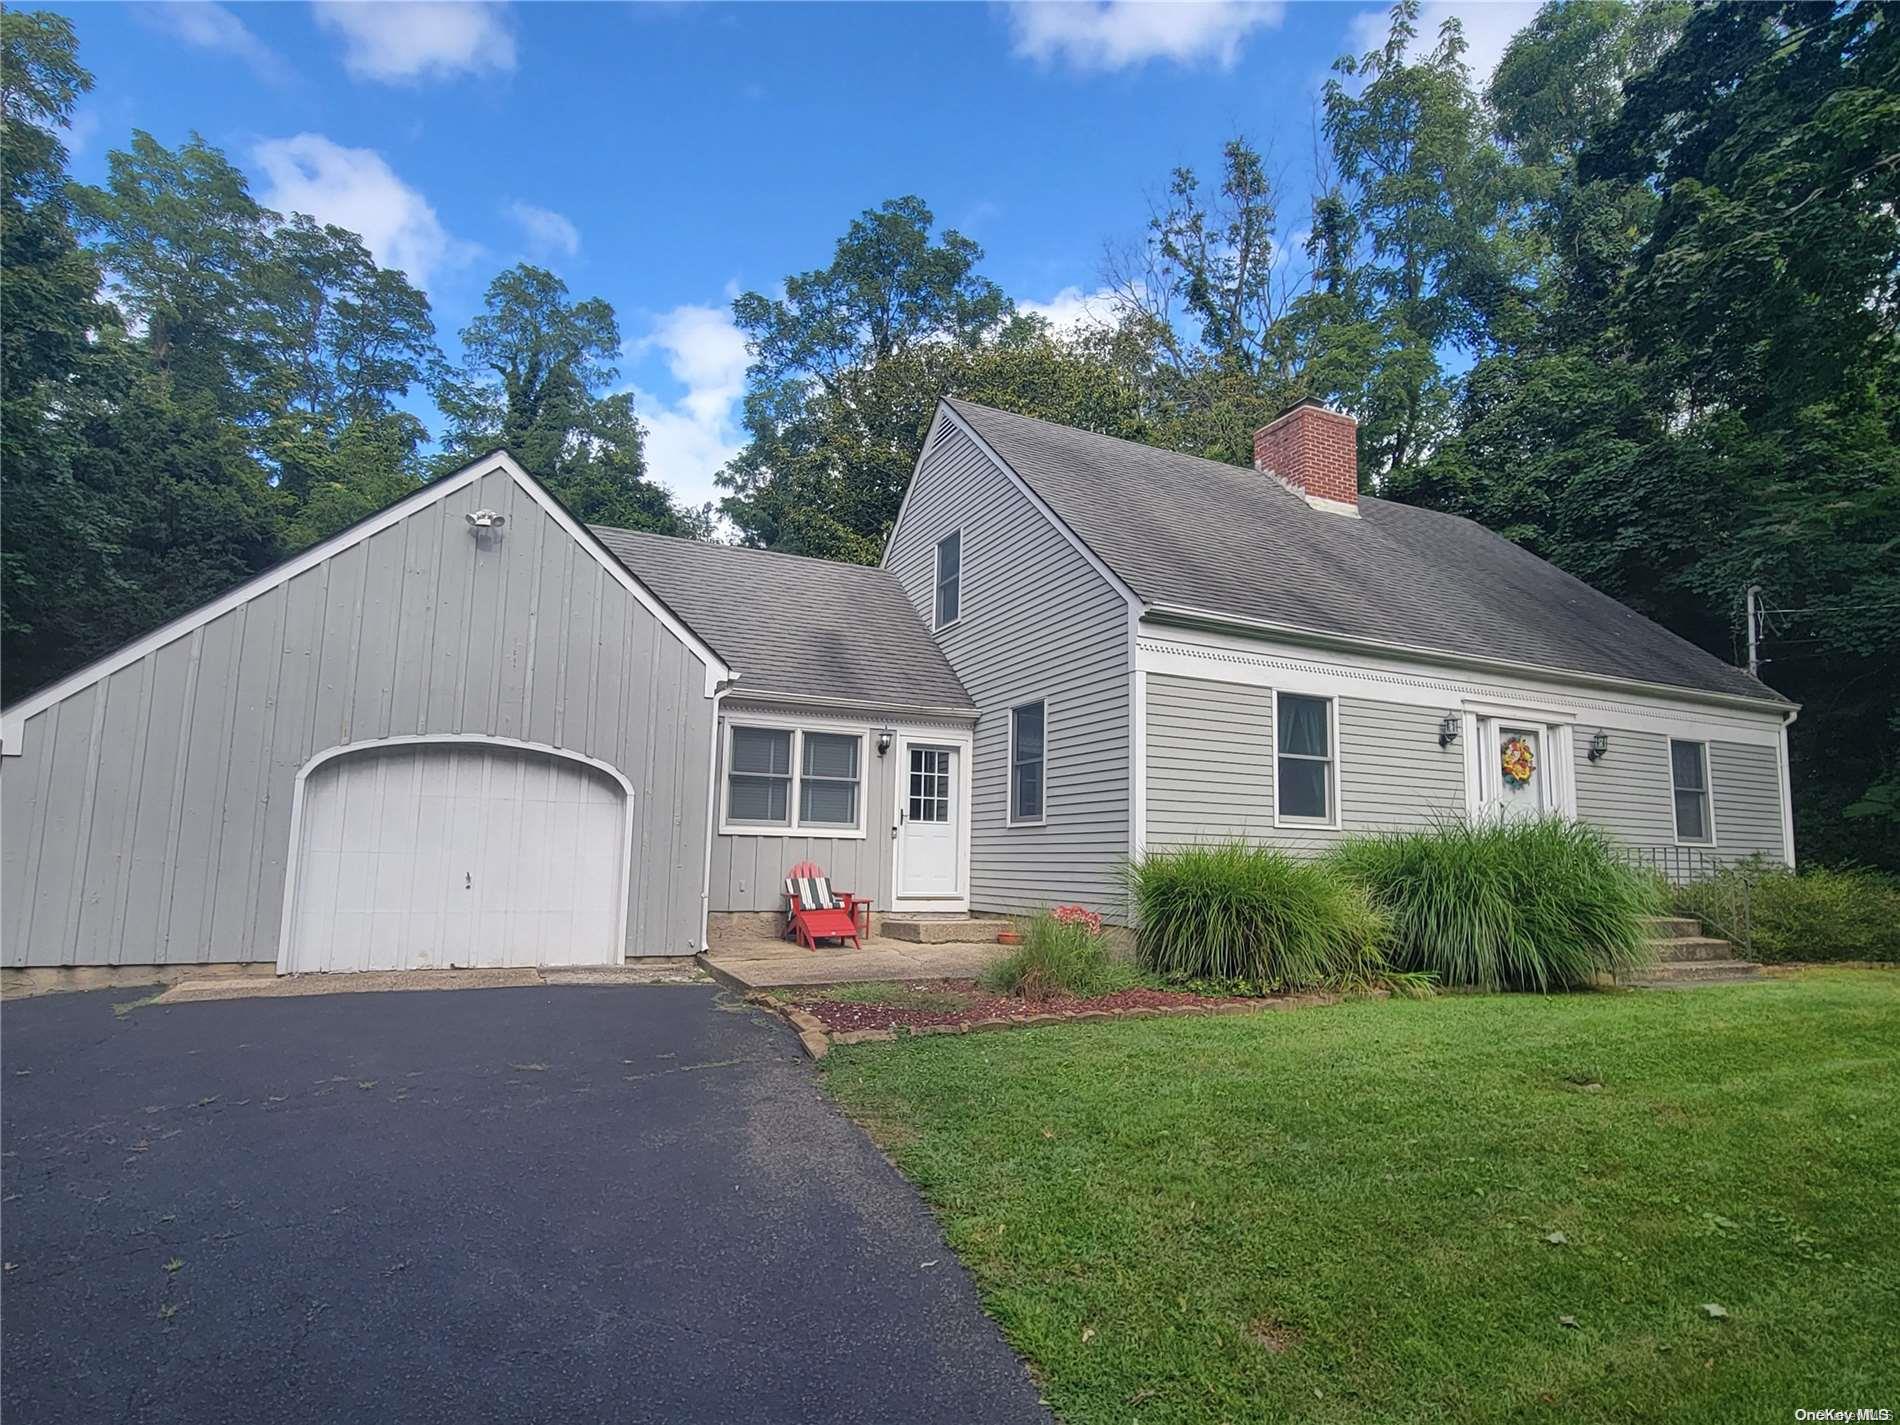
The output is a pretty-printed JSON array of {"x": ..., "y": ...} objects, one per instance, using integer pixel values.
[
  {"x": 535, "y": 379},
  {"x": 195, "y": 386}
]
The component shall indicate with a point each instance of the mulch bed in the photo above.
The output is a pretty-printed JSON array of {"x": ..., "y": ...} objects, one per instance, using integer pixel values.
[{"x": 842, "y": 1016}]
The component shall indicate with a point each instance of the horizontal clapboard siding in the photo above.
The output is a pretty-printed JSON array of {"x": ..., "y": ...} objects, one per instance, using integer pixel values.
[
  {"x": 147, "y": 820},
  {"x": 1211, "y": 766},
  {"x": 1210, "y": 763},
  {"x": 1629, "y": 792},
  {"x": 1747, "y": 787},
  {"x": 1037, "y": 622},
  {"x": 1393, "y": 774}
]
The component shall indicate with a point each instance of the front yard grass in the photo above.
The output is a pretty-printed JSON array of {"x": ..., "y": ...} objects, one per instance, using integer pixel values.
[{"x": 1384, "y": 1211}]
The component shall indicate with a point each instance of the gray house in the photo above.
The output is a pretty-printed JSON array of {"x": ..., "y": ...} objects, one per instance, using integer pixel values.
[{"x": 472, "y": 731}]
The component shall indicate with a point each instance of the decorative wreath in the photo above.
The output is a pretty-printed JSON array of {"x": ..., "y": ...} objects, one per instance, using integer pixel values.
[{"x": 1519, "y": 761}]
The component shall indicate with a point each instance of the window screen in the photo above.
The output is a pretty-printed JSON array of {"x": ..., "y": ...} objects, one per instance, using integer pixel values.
[
  {"x": 828, "y": 781},
  {"x": 1305, "y": 758},
  {"x": 949, "y": 578},
  {"x": 1026, "y": 762},
  {"x": 760, "y": 785},
  {"x": 1688, "y": 767}
]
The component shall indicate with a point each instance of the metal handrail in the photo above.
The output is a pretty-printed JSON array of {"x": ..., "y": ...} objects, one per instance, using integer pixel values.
[{"x": 1720, "y": 890}]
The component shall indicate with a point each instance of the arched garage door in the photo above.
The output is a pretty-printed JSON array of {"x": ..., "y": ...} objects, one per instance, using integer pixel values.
[{"x": 457, "y": 854}]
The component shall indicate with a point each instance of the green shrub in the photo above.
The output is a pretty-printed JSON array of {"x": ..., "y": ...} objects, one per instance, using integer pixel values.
[
  {"x": 1820, "y": 914},
  {"x": 1230, "y": 912},
  {"x": 1514, "y": 905},
  {"x": 1058, "y": 958}
]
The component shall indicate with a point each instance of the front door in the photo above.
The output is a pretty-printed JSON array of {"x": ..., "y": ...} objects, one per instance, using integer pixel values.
[
  {"x": 927, "y": 815},
  {"x": 1518, "y": 772}
]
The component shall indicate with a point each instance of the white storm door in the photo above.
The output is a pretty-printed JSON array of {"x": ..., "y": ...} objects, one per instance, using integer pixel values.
[
  {"x": 1511, "y": 798},
  {"x": 927, "y": 830},
  {"x": 457, "y": 855}
]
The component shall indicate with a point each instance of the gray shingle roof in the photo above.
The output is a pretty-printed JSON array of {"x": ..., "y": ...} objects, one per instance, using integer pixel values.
[
  {"x": 1180, "y": 530},
  {"x": 808, "y": 627}
]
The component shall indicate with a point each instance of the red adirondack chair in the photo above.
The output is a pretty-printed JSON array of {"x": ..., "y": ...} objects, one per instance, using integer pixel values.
[{"x": 817, "y": 912}]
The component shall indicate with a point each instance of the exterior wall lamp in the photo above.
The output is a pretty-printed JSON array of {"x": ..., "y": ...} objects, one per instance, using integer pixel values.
[
  {"x": 1448, "y": 727},
  {"x": 1599, "y": 744},
  {"x": 885, "y": 736}
]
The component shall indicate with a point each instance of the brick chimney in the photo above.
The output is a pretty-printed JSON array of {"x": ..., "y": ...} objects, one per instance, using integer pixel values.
[{"x": 1313, "y": 450}]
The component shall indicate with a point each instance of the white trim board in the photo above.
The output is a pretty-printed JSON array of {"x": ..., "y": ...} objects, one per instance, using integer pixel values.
[
  {"x": 1224, "y": 659},
  {"x": 452, "y": 739},
  {"x": 1194, "y": 621},
  {"x": 14, "y": 719}
]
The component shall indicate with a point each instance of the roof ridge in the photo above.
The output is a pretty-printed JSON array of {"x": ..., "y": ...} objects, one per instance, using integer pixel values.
[
  {"x": 749, "y": 549},
  {"x": 1103, "y": 435}
]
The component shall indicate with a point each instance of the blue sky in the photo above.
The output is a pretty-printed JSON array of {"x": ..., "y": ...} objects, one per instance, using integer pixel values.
[{"x": 667, "y": 156}]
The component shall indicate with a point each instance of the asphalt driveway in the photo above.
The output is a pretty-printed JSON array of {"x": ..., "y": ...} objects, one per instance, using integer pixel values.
[{"x": 627, "y": 1203}]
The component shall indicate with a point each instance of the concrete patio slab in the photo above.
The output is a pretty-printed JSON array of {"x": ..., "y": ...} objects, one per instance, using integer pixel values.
[
  {"x": 667, "y": 970},
  {"x": 774, "y": 964}
]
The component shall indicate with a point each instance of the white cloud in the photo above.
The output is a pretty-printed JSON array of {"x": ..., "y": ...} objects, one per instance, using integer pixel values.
[
  {"x": 355, "y": 188},
  {"x": 546, "y": 230},
  {"x": 1114, "y": 34},
  {"x": 1072, "y": 308},
  {"x": 429, "y": 39},
  {"x": 81, "y": 131},
  {"x": 1488, "y": 25},
  {"x": 213, "y": 27},
  {"x": 691, "y": 438}
]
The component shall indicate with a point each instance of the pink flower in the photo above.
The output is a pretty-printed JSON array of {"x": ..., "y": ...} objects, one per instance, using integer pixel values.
[{"x": 1078, "y": 915}]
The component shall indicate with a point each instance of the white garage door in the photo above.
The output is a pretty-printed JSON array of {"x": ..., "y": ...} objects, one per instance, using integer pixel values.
[{"x": 438, "y": 855}]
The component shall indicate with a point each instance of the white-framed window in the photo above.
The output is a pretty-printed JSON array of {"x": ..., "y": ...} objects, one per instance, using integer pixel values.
[
  {"x": 1028, "y": 762},
  {"x": 1689, "y": 781},
  {"x": 828, "y": 779},
  {"x": 793, "y": 781},
  {"x": 949, "y": 580},
  {"x": 1306, "y": 781}
]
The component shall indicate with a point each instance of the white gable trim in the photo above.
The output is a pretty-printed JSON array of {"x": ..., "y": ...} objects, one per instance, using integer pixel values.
[
  {"x": 948, "y": 419},
  {"x": 14, "y": 719}
]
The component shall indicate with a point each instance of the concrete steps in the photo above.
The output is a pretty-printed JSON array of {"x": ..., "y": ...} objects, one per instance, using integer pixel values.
[
  {"x": 941, "y": 930},
  {"x": 1686, "y": 958},
  {"x": 1681, "y": 948}
]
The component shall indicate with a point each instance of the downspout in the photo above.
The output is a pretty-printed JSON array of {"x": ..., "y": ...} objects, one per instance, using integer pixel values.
[
  {"x": 1787, "y": 787},
  {"x": 712, "y": 807}
]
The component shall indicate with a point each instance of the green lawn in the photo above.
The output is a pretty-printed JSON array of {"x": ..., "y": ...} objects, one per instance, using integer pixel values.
[{"x": 1342, "y": 1214}]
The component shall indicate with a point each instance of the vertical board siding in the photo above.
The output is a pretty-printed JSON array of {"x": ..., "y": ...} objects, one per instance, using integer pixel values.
[
  {"x": 1036, "y": 621},
  {"x": 1211, "y": 767},
  {"x": 1746, "y": 784},
  {"x": 147, "y": 817}
]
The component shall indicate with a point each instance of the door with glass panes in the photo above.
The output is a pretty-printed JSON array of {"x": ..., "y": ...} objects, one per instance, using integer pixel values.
[{"x": 927, "y": 813}]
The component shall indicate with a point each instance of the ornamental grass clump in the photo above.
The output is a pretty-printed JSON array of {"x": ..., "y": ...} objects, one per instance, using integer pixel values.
[
  {"x": 1063, "y": 953},
  {"x": 1230, "y": 911},
  {"x": 1519, "y": 905}
]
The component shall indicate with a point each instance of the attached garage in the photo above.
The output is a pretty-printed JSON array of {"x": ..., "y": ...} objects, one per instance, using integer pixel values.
[
  {"x": 460, "y": 733},
  {"x": 456, "y": 854}
]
